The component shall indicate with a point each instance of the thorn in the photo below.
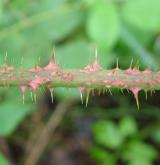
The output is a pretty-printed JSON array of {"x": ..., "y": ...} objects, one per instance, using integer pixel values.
[
  {"x": 52, "y": 58},
  {"x": 23, "y": 89},
  {"x": 39, "y": 59},
  {"x": 35, "y": 97},
  {"x": 81, "y": 95},
  {"x": 31, "y": 96},
  {"x": 110, "y": 92},
  {"x": 51, "y": 92},
  {"x": 122, "y": 91},
  {"x": 87, "y": 97},
  {"x": 117, "y": 65},
  {"x": 81, "y": 89},
  {"x": 137, "y": 101},
  {"x": 127, "y": 90},
  {"x": 145, "y": 94},
  {"x": 130, "y": 67},
  {"x": 96, "y": 57},
  {"x": 135, "y": 91},
  {"x": 137, "y": 65}
]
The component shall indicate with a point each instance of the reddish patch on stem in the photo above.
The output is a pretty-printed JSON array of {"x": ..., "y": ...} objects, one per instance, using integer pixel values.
[
  {"x": 52, "y": 66},
  {"x": 36, "y": 69},
  {"x": 156, "y": 80},
  {"x": 38, "y": 81},
  {"x": 138, "y": 80},
  {"x": 147, "y": 72},
  {"x": 67, "y": 76},
  {"x": 4, "y": 71},
  {"x": 110, "y": 74},
  {"x": 6, "y": 68},
  {"x": 11, "y": 75},
  {"x": 107, "y": 81},
  {"x": 118, "y": 83},
  {"x": 81, "y": 88},
  {"x": 23, "y": 89},
  {"x": 158, "y": 72},
  {"x": 133, "y": 71},
  {"x": 10, "y": 68},
  {"x": 92, "y": 67}
]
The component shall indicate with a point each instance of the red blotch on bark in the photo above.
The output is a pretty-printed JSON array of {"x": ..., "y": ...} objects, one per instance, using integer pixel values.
[
  {"x": 38, "y": 81},
  {"x": 133, "y": 71}
]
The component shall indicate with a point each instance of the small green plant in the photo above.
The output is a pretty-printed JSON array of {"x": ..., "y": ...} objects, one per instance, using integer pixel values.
[{"x": 124, "y": 140}]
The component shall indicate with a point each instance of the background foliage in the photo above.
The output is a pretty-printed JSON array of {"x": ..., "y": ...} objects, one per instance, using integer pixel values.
[{"x": 123, "y": 29}]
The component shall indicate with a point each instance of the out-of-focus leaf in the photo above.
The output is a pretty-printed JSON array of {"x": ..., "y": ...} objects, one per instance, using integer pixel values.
[
  {"x": 90, "y": 2},
  {"x": 41, "y": 5},
  {"x": 1, "y": 11},
  {"x": 37, "y": 40},
  {"x": 74, "y": 54},
  {"x": 143, "y": 14},
  {"x": 156, "y": 135},
  {"x": 103, "y": 24},
  {"x": 128, "y": 126},
  {"x": 3, "y": 160},
  {"x": 107, "y": 134},
  {"x": 133, "y": 43},
  {"x": 11, "y": 115},
  {"x": 140, "y": 162},
  {"x": 78, "y": 53},
  {"x": 139, "y": 152},
  {"x": 102, "y": 157}
]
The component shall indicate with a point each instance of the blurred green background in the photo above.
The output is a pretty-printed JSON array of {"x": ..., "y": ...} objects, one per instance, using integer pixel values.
[{"x": 110, "y": 130}]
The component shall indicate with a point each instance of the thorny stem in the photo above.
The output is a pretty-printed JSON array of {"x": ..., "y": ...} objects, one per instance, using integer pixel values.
[
  {"x": 100, "y": 79},
  {"x": 88, "y": 78}
]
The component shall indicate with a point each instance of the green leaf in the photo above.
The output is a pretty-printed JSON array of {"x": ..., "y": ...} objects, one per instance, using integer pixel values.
[
  {"x": 139, "y": 152},
  {"x": 128, "y": 126},
  {"x": 3, "y": 160},
  {"x": 103, "y": 24},
  {"x": 11, "y": 115},
  {"x": 1, "y": 11},
  {"x": 42, "y": 5},
  {"x": 140, "y": 162},
  {"x": 107, "y": 134},
  {"x": 73, "y": 54},
  {"x": 155, "y": 135},
  {"x": 102, "y": 156},
  {"x": 143, "y": 14},
  {"x": 35, "y": 36}
]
